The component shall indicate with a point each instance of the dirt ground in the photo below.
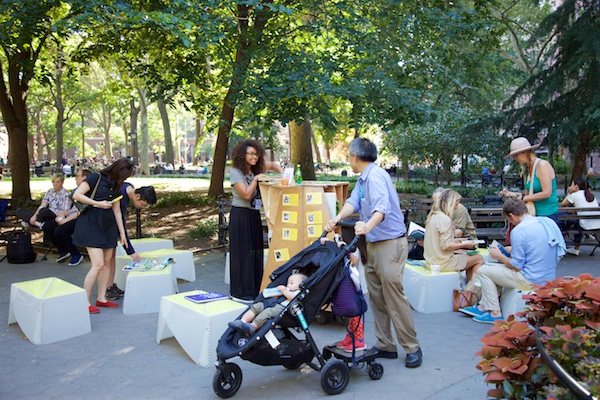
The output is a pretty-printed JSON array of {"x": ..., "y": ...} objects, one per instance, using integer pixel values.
[{"x": 175, "y": 223}]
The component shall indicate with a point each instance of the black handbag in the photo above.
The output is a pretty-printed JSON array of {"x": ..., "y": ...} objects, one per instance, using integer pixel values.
[{"x": 82, "y": 207}]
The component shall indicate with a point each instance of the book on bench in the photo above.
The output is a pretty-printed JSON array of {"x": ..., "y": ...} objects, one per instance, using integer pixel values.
[{"x": 206, "y": 297}]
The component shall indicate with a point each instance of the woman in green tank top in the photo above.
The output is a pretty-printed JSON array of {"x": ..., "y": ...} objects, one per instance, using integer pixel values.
[{"x": 544, "y": 194}]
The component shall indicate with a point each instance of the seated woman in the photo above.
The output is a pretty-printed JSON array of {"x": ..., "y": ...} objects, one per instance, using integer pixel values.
[
  {"x": 580, "y": 196},
  {"x": 440, "y": 244}
]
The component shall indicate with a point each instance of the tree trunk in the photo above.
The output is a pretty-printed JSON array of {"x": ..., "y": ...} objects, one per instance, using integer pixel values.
[
  {"x": 301, "y": 152},
  {"x": 82, "y": 115},
  {"x": 60, "y": 107},
  {"x": 142, "y": 137},
  {"x": 107, "y": 123},
  {"x": 248, "y": 37},
  {"x": 133, "y": 121},
  {"x": 14, "y": 116},
  {"x": 199, "y": 138},
  {"x": 315, "y": 146},
  {"x": 164, "y": 115},
  {"x": 581, "y": 155}
]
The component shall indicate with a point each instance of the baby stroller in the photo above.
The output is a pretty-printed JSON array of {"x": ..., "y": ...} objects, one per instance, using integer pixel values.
[{"x": 275, "y": 343}]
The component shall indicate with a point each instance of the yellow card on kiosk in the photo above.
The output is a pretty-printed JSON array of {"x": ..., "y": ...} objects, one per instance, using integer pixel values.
[{"x": 117, "y": 198}]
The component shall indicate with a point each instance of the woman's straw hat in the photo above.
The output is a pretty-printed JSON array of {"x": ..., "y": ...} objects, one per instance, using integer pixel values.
[{"x": 519, "y": 145}]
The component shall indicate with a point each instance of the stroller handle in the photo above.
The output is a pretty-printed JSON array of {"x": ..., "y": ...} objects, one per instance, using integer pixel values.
[{"x": 350, "y": 247}]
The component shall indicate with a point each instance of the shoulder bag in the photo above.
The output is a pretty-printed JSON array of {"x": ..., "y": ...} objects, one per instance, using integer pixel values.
[
  {"x": 82, "y": 207},
  {"x": 530, "y": 204}
]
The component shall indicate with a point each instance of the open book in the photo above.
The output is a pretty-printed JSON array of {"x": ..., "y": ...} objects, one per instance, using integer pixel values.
[
  {"x": 500, "y": 247},
  {"x": 206, "y": 297}
]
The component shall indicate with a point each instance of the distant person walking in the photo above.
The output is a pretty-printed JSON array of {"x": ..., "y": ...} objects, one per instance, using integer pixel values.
[{"x": 245, "y": 236}]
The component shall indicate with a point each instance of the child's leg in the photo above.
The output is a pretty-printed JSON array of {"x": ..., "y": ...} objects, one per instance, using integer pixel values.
[{"x": 248, "y": 316}]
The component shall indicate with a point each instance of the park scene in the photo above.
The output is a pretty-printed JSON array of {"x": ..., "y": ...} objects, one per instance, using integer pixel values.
[{"x": 223, "y": 138}]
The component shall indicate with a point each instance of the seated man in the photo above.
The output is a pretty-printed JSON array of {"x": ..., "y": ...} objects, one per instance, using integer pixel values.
[
  {"x": 66, "y": 226},
  {"x": 537, "y": 245},
  {"x": 56, "y": 202}
]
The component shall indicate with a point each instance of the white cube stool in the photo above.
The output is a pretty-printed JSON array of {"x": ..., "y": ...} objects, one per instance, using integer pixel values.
[
  {"x": 196, "y": 327},
  {"x": 428, "y": 293},
  {"x": 183, "y": 268},
  {"x": 145, "y": 288},
  {"x": 511, "y": 301},
  {"x": 146, "y": 244},
  {"x": 49, "y": 310}
]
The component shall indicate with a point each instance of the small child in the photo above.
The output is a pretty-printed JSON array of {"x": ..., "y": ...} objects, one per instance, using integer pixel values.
[
  {"x": 261, "y": 312},
  {"x": 355, "y": 324}
]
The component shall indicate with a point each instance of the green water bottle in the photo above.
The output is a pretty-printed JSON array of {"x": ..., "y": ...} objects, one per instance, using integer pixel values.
[{"x": 298, "y": 175}]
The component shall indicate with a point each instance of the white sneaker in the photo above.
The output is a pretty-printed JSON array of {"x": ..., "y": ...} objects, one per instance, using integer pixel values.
[
  {"x": 25, "y": 224},
  {"x": 572, "y": 250}
]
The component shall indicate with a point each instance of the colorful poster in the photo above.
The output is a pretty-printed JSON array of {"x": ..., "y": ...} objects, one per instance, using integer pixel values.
[
  {"x": 314, "y": 199},
  {"x": 314, "y": 217},
  {"x": 290, "y": 199},
  {"x": 289, "y": 234},
  {"x": 314, "y": 231},
  {"x": 289, "y": 217},
  {"x": 282, "y": 255}
]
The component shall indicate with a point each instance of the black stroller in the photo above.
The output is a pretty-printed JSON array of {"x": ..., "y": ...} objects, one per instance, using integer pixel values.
[{"x": 275, "y": 343}]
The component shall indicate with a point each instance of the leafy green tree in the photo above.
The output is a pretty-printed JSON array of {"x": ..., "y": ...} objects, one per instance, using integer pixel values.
[
  {"x": 564, "y": 96},
  {"x": 25, "y": 27}
]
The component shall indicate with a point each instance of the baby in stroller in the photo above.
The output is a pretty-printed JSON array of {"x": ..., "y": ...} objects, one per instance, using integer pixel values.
[{"x": 275, "y": 301}]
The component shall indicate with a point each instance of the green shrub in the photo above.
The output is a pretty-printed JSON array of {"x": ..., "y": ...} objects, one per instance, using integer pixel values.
[
  {"x": 205, "y": 228},
  {"x": 182, "y": 199},
  {"x": 568, "y": 312}
]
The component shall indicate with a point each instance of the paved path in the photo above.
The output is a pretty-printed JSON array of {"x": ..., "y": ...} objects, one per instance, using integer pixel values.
[{"x": 120, "y": 358}]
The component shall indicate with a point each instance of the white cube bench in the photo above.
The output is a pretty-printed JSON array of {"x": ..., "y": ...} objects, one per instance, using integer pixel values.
[
  {"x": 429, "y": 293},
  {"x": 183, "y": 268},
  {"x": 511, "y": 301},
  {"x": 196, "y": 327},
  {"x": 145, "y": 288},
  {"x": 146, "y": 244},
  {"x": 49, "y": 310}
]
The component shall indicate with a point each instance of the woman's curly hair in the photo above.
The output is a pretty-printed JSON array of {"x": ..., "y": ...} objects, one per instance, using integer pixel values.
[{"x": 238, "y": 156}]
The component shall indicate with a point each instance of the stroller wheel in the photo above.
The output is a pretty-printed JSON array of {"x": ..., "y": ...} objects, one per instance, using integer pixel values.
[
  {"x": 335, "y": 376},
  {"x": 375, "y": 371},
  {"x": 226, "y": 384}
]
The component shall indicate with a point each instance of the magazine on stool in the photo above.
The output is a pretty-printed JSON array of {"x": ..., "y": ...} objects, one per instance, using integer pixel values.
[{"x": 206, "y": 297}]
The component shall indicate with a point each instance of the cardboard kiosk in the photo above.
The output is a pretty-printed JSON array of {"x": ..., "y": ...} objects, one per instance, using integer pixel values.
[{"x": 296, "y": 217}]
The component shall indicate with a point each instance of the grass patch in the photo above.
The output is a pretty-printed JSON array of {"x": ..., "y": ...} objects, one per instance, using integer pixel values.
[
  {"x": 184, "y": 199},
  {"x": 205, "y": 228}
]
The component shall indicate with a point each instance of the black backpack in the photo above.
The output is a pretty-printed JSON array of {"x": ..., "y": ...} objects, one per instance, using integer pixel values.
[{"x": 19, "y": 249}]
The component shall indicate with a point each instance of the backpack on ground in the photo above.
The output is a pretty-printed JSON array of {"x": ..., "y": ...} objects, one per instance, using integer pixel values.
[{"x": 19, "y": 249}]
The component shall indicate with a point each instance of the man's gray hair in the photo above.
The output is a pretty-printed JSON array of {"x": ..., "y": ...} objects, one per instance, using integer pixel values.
[{"x": 364, "y": 149}]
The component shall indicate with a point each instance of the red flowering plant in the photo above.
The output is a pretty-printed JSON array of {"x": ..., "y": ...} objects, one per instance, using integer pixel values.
[{"x": 568, "y": 313}]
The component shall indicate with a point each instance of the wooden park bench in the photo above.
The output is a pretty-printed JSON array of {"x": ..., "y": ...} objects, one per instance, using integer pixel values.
[{"x": 490, "y": 224}]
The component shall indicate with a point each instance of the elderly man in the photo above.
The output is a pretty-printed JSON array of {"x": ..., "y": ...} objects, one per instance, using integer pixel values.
[
  {"x": 382, "y": 222},
  {"x": 537, "y": 245}
]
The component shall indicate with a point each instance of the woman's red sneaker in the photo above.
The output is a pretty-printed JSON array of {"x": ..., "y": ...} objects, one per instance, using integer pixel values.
[{"x": 108, "y": 304}]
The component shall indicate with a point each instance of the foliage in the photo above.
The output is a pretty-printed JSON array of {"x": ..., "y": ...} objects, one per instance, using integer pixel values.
[
  {"x": 205, "y": 228},
  {"x": 182, "y": 198},
  {"x": 568, "y": 312}
]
